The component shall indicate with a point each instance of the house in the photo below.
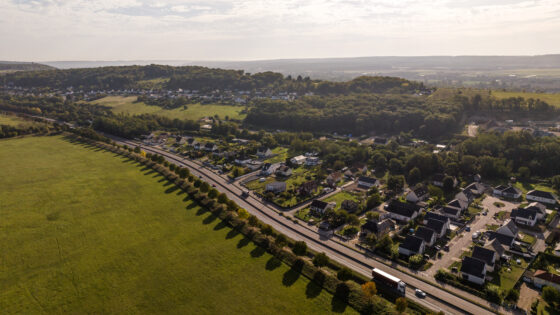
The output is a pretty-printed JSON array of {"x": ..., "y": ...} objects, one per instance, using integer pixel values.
[
  {"x": 438, "y": 226},
  {"x": 412, "y": 245},
  {"x": 348, "y": 174},
  {"x": 437, "y": 180},
  {"x": 486, "y": 255},
  {"x": 298, "y": 160},
  {"x": 436, "y": 216},
  {"x": 307, "y": 188},
  {"x": 242, "y": 160},
  {"x": 541, "y": 196},
  {"x": 473, "y": 270},
  {"x": 466, "y": 196},
  {"x": 508, "y": 228},
  {"x": 263, "y": 152},
  {"x": 193, "y": 143},
  {"x": 333, "y": 179},
  {"x": 458, "y": 203},
  {"x": 380, "y": 141},
  {"x": 180, "y": 140},
  {"x": 312, "y": 161},
  {"x": 210, "y": 147},
  {"x": 539, "y": 207},
  {"x": 276, "y": 187},
  {"x": 496, "y": 246},
  {"x": 451, "y": 212},
  {"x": 319, "y": 207},
  {"x": 253, "y": 165},
  {"x": 269, "y": 169},
  {"x": 367, "y": 182},
  {"x": 507, "y": 192},
  {"x": 349, "y": 205},
  {"x": 427, "y": 234},
  {"x": 359, "y": 168},
  {"x": 420, "y": 193},
  {"x": 505, "y": 240},
  {"x": 284, "y": 170},
  {"x": 543, "y": 278},
  {"x": 378, "y": 228},
  {"x": 476, "y": 188},
  {"x": 524, "y": 216},
  {"x": 402, "y": 211}
]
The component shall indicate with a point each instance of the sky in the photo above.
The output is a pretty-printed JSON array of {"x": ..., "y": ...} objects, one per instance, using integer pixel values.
[{"x": 50, "y": 30}]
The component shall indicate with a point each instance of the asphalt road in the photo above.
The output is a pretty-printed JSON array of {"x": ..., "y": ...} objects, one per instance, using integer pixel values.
[{"x": 437, "y": 299}]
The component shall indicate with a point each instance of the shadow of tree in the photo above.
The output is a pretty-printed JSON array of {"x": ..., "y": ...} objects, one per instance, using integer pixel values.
[
  {"x": 340, "y": 299},
  {"x": 292, "y": 275},
  {"x": 257, "y": 252},
  {"x": 243, "y": 242},
  {"x": 200, "y": 211},
  {"x": 171, "y": 189},
  {"x": 220, "y": 225},
  {"x": 273, "y": 263},
  {"x": 209, "y": 219},
  {"x": 232, "y": 233},
  {"x": 315, "y": 287}
]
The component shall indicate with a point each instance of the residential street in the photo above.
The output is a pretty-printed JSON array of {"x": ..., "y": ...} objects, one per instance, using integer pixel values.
[{"x": 437, "y": 298}]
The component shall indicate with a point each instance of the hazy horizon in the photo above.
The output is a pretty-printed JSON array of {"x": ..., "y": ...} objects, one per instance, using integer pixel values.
[{"x": 247, "y": 30}]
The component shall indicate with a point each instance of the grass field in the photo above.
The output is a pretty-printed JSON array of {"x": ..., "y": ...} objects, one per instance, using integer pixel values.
[
  {"x": 121, "y": 104},
  {"x": 12, "y": 120},
  {"x": 552, "y": 99},
  {"x": 87, "y": 231},
  {"x": 340, "y": 197}
]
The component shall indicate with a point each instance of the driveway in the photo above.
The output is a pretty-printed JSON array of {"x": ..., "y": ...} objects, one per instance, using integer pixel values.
[{"x": 461, "y": 242}]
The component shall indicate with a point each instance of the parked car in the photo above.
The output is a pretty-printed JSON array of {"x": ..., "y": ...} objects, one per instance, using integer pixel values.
[
  {"x": 446, "y": 248},
  {"x": 468, "y": 229},
  {"x": 454, "y": 269},
  {"x": 420, "y": 293}
]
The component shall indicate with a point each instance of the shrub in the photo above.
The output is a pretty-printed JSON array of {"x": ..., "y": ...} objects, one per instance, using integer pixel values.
[
  {"x": 344, "y": 274},
  {"x": 320, "y": 260},
  {"x": 551, "y": 296},
  {"x": 267, "y": 230},
  {"x": 300, "y": 248},
  {"x": 281, "y": 240},
  {"x": 415, "y": 260},
  {"x": 242, "y": 213},
  {"x": 369, "y": 288},
  {"x": 253, "y": 221},
  {"x": 401, "y": 304}
]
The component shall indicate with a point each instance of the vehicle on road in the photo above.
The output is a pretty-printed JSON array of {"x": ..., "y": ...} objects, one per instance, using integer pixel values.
[
  {"x": 389, "y": 280},
  {"x": 468, "y": 229},
  {"x": 244, "y": 193},
  {"x": 213, "y": 185},
  {"x": 420, "y": 293},
  {"x": 446, "y": 248}
]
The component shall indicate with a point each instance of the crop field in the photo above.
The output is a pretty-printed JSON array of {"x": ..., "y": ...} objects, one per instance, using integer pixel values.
[
  {"x": 127, "y": 105},
  {"x": 13, "y": 120},
  {"x": 87, "y": 231},
  {"x": 552, "y": 99}
]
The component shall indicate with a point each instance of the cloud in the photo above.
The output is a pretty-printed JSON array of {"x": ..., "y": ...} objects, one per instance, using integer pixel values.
[{"x": 249, "y": 29}]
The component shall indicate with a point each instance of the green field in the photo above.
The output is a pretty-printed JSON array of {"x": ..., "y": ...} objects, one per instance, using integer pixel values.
[
  {"x": 87, "y": 231},
  {"x": 13, "y": 120},
  {"x": 340, "y": 197},
  {"x": 552, "y": 99},
  {"x": 127, "y": 105}
]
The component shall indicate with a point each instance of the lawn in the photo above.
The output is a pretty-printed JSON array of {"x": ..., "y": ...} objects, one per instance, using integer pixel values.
[
  {"x": 552, "y": 99},
  {"x": 507, "y": 277},
  {"x": 14, "y": 121},
  {"x": 340, "y": 197},
  {"x": 525, "y": 187},
  {"x": 121, "y": 104},
  {"x": 87, "y": 231},
  {"x": 527, "y": 238},
  {"x": 280, "y": 155}
]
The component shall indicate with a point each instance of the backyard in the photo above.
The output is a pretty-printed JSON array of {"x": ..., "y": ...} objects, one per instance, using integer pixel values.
[{"x": 88, "y": 231}]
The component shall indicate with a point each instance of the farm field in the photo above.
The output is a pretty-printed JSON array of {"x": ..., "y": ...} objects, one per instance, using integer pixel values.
[
  {"x": 552, "y": 99},
  {"x": 127, "y": 105},
  {"x": 13, "y": 120},
  {"x": 87, "y": 231}
]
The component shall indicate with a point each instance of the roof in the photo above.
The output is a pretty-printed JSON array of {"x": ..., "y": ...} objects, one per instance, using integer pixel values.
[
  {"x": 478, "y": 187},
  {"x": 366, "y": 179},
  {"x": 420, "y": 190},
  {"x": 542, "y": 194},
  {"x": 454, "y": 211},
  {"x": 377, "y": 227},
  {"x": 545, "y": 275},
  {"x": 424, "y": 233},
  {"x": 509, "y": 224},
  {"x": 461, "y": 204},
  {"x": 412, "y": 243},
  {"x": 349, "y": 204},
  {"x": 402, "y": 208},
  {"x": 537, "y": 206},
  {"x": 370, "y": 226},
  {"x": 529, "y": 214},
  {"x": 276, "y": 184},
  {"x": 511, "y": 190},
  {"x": 436, "y": 225},
  {"x": 500, "y": 187},
  {"x": 435, "y": 216},
  {"x": 496, "y": 246},
  {"x": 473, "y": 266},
  {"x": 503, "y": 239},
  {"x": 484, "y": 254},
  {"x": 319, "y": 204},
  {"x": 465, "y": 194}
]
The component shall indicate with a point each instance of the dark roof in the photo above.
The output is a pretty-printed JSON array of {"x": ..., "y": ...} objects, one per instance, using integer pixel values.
[
  {"x": 496, "y": 246},
  {"x": 503, "y": 239},
  {"x": 319, "y": 204},
  {"x": 366, "y": 179},
  {"x": 484, "y": 254},
  {"x": 435, "y": 216},
  {"x": 545, "y": 275},
  {"x": 457, "y": 203},
  {"x": 424, "y": 233},
  {"x": 511, "y": 190},
  {"x": 540, "y": 193},
  {"x": 529, "y": 214},
  {"x": 478, "y": 187},
  {"x": 436, "y": 225},
  {"x": 438, "y": 177},
  {"x": 402, "y": 208},
  {"x": 349, "y": 205},
  {"x": 473, "y": 266},
  {"x": 420, "y": 191},
  {"x": 454, "y": 211},
  {"x": 412, "y": 243},
  {"x": 377, "y": 227},
  {"x": 370, "y": 226},
  {"x": 500, "y": 187}
]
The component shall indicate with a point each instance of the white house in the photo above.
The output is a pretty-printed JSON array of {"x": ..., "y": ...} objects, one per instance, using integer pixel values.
[
  {"x": 263, "y": 152},
  {"x": 367, "y": 182},
  {"x": 319, "y": 207},
  {"x": 525, "y": 216},
  {"x": 402, "y": 211},
  {"x": 284, "y": 170},
  {"x": 508, "y": 228},
  {"x": 539, "y": 207},
  {"x": 427, "y": 234},
  {"x": 276, "y": 187},
  {"x": 412, "y": 245},
  {"x": 541, "y": 196},
  {"x": 419, "y": 193},
  {"x": 473, "y": 270},
  {"x": 312, "y": 161},
  {"x": 269, "y": 169},
  {"x": 298, "y": 160},
  {"x": 486, "y": 255}
]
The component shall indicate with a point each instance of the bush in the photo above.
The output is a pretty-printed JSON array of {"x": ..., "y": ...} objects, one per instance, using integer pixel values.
[
  {"x": 320, "y": 260},
  {"x": 344, "y": 274},
  {"x": 281, "y": 240},
  {"x": 551, "y": 296},
  {"x": 416, "y": 260},
  {"x": 300, "y": 248},
  {"x": 267, "y": 230}
]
